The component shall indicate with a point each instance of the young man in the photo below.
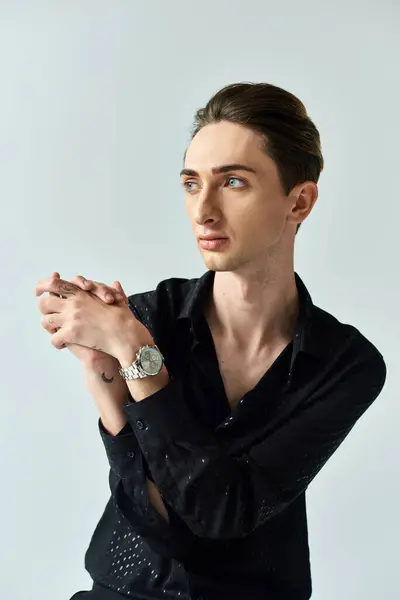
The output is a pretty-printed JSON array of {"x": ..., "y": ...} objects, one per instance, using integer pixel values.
[{"x": 220, "y": 397}]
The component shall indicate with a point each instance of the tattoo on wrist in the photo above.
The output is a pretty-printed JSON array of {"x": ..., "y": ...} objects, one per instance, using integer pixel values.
[{"x": 105, "y": 379}]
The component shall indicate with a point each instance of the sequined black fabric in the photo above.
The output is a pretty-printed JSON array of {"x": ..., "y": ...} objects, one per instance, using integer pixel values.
[{"x": 233, "y": 481}]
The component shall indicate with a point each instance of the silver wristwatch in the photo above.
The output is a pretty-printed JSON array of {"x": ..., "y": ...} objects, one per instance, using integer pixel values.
[{"x": 149, "y": 361}]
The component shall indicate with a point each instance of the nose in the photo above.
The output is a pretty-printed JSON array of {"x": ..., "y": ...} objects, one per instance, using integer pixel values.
[{"x": 206, "y": 207}]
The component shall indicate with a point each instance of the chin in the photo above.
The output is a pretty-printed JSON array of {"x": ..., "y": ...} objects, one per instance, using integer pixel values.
[{"x": 220, "y": 262}]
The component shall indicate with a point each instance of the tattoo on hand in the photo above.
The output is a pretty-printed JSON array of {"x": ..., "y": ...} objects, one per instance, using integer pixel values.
[
  {"x": 105, "y": 379},
  {"x": 67, "y": 288}
]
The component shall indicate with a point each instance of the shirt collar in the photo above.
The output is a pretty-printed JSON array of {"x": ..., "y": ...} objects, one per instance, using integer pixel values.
[{"x": 307, "y": 336}]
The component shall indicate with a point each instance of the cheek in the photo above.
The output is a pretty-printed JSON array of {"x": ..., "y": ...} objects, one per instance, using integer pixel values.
[
  {"x": 262, "y": 221},
  {"x": 189, "y": 210},
  {"x": 260, "y": 215}
]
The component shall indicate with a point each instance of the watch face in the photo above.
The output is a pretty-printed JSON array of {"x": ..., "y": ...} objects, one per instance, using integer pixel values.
[{"x": 151, "y": 361}]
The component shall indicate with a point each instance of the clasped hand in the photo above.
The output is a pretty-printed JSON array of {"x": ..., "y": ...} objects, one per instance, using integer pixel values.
[{"x": 80, "y": 317}]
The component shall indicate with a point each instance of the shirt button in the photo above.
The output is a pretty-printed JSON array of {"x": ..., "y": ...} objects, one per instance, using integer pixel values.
[
  {"x": 130, "y": 454},
  {"x": 140, "y": 424}
]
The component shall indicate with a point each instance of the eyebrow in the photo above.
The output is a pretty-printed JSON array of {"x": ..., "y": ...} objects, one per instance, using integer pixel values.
[{"x": 222, "y": 169}]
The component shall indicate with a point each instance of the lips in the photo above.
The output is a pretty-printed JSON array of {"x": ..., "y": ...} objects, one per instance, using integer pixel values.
[
  {"x": 215, "y": 244},
  {"x": 212, "y": 237}
]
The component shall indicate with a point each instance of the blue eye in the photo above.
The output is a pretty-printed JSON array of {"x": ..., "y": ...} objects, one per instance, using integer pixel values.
[
  {"x": 187, "y": 183},
  {"x": 237, "y": 179}
]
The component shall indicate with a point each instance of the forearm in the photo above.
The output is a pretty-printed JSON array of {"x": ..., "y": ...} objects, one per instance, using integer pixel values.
[
  {"x": 110, "y": 393},
  {"x": 140, "y": 389}
]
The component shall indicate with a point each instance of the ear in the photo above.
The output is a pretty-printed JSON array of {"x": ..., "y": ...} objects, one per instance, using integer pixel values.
[{"x": 306, "y": 195}]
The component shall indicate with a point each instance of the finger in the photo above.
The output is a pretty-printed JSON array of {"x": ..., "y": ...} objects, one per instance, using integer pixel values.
[
  {"x": 56, "y": 285},
  {"x": 51, "y": 322},
  {"x": 121, "y": 294},
  {"x": 117, "y": 285},
  {"x": 57, "y": 340},
  {"x": 43, "y": 283},
  {"x": 82, "y": 282},
  {"x": 104, "y": 292},
  {"x": 63, "y": 345},
  {"x": 52, "y": 331},
  {"x": 51, "y": 304},
  {"x": 99, "y": 290}
]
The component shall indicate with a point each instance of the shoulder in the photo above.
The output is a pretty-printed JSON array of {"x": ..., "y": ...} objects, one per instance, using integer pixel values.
[
  {"x": 164, "y": 301},
  {"x": 345, "y": 345}
]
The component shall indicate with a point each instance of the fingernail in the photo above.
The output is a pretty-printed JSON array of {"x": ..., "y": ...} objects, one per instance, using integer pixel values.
[
  {"x": 109, "y": 297},
  {"x": 119, "y": 297}
]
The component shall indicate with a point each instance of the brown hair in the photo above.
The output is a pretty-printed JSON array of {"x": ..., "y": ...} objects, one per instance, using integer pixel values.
[{"x": 288, "y": 134}]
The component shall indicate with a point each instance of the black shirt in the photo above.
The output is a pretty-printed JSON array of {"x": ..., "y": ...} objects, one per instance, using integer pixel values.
[{"x": 233, "y": 481}]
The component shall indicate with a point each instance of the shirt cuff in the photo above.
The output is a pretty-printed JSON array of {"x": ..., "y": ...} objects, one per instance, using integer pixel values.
[{"x": 123, "y": 450}]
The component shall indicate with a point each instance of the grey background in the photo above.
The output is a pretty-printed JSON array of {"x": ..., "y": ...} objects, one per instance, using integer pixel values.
[{"x": 96, "y": 103}]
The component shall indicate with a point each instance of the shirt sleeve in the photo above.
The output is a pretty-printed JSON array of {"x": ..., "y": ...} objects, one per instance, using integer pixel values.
[
  {"x": 127, "y": 481},
  {"x": 222, "y": 496},
  {"x": 122, "y": 449}
]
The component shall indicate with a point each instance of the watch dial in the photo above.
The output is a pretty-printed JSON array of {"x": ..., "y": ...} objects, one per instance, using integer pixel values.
[{"x": 151, "y": 360}]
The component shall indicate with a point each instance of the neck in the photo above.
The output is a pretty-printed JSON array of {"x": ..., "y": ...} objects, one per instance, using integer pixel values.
[{"x": 254, "y": 311}]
